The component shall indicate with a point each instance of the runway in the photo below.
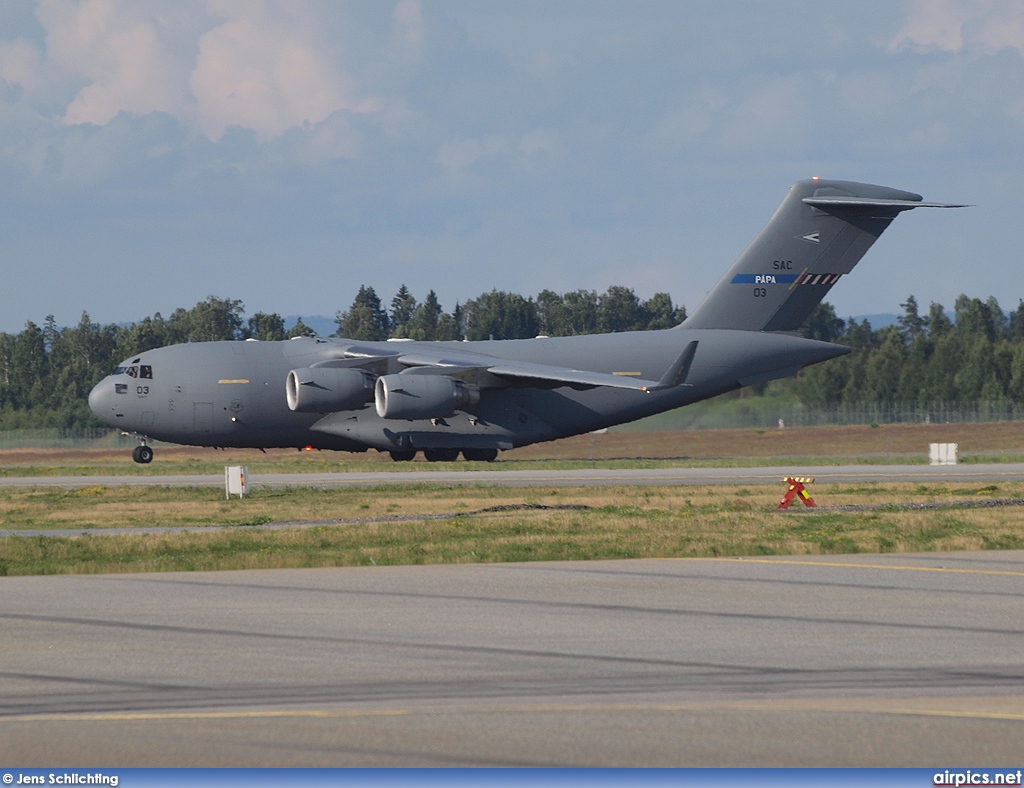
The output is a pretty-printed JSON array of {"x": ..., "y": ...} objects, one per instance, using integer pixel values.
[
  {"x": 545, "y": 478},
  {"x": 894, "y": 660}
]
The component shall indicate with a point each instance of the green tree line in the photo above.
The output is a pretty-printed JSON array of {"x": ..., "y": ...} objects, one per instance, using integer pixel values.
[
  {"x": 46, "y": 372},
  {"x": 501, "y": 315},
  {"x": 978, "y": 356}
]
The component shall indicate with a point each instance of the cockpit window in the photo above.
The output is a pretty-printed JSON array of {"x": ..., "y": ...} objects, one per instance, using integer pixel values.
[
  {"x": 146, "y": 371},
  {"x": 119, "y": 371},
  {"x": 132, "y": 372}
]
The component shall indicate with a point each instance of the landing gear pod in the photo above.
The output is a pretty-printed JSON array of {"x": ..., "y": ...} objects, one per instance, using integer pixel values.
[
  {"x": 327, "y": 389},
  {"x": 480, "y": 455},
  {"x": 422, "y": 396}
]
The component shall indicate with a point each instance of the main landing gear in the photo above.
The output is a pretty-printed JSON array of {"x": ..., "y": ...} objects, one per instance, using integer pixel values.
[{"x": 445, "y": 455}]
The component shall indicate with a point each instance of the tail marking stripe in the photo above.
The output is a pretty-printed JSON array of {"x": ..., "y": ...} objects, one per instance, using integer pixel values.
[{"x": 818, "y": 279}]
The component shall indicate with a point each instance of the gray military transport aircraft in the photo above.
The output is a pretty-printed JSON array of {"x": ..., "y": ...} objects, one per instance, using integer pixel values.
[{"x": 478, "y": 398}]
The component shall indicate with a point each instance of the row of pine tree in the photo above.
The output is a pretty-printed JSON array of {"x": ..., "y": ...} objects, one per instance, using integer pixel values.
[{"x": 46, "y": 372}]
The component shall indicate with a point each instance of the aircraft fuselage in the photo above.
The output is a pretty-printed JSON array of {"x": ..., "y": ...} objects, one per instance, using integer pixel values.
[{"x": 233, "y": 393}]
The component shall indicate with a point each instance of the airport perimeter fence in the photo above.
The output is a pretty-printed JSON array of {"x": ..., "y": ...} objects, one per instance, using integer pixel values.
[
  {"x": 53, "y": 438},
  {"x": 757, "y": 413},
  {"x": 762, "y": 413}
]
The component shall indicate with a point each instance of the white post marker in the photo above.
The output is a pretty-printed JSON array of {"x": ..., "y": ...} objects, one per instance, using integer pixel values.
[
  {"x": 236, "y": 480},
  {"x": 943, "y": 453}
]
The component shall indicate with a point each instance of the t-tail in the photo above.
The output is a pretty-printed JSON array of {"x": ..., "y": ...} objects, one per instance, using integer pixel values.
[{"x": 818, "y": 234}]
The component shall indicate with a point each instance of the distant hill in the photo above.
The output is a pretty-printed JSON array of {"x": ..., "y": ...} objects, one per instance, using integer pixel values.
[
  {"x": 878, "y": 321},
  {"x": 324, "y": 326}
]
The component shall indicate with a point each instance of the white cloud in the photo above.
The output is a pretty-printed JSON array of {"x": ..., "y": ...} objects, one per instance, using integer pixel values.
[
  {"x": 870, "y": 92},
  {"x": 408, "y": 18},
  {"x": 696, "y": 117},
  {"x": 21, "y": 63},
  {"x": 932, "y": 137},
  {"x": 983, "y": 26},
  {"x": 539, "y": 146},
  {"x": 769, "y": 116},
  {"x": 264, "y": 72},
  {"x": 265, "y": 66},
  {"x": 460, "y": 155},
  {"x": 121, "y": 49}
]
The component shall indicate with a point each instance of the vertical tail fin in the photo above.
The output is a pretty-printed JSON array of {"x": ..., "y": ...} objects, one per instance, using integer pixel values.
[{"x": 818, "y": 234}]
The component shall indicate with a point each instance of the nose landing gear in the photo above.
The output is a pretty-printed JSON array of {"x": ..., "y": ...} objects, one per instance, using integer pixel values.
[{"x": 142, "y": 454}]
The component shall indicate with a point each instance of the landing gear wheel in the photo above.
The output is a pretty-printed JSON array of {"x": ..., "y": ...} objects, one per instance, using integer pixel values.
[
  {"x": 441, "y": 455},
  {"x": 480, "y": 455},
  {"x": 142, "y": 455},
  {"x": 402, "y": 455}
]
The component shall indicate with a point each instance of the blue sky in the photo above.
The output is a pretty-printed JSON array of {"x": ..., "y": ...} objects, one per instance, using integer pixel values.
[{"x": 284, "y": 153}]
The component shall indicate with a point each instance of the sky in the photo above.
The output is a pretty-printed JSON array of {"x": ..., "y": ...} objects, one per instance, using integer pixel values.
[{"x": 156, "y": 152}]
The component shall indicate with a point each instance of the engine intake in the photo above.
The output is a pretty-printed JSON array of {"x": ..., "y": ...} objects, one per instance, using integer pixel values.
[
  {"x": 421, "y": 396},
  {"x": 328, "y": 389}
]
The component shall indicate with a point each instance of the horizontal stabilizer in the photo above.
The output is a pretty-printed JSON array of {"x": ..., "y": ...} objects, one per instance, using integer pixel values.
[{"x": 865, "y": 202}]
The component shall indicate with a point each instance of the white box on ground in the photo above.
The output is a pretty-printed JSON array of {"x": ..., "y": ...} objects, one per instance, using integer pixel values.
[
  {"x": 943, "y": 453},
  {"x": 236, "y": 480}
]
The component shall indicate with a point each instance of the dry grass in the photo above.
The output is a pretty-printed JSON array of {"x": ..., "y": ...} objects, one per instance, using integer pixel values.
[
  {"x": 796, "y": 446},
  {"x": 901, "y": 442},
  {"x": 899, "y": 439},
  {"x": 621, "y": 522}
]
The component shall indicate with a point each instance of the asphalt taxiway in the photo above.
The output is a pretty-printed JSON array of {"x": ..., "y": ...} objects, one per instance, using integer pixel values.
[
  {"x": 895, "y": 660},
  {"x": 583, "y": 477}
]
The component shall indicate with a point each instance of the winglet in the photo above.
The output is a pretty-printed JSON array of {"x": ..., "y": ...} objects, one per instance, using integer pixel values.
[{"x": 677, "y": 373}]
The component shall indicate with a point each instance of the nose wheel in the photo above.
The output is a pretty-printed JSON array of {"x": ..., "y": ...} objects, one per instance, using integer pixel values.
[{"x": 142, "y": 454}]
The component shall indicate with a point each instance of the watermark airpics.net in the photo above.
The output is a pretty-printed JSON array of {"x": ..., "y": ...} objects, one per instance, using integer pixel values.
[{"x": 967, "y": 777}]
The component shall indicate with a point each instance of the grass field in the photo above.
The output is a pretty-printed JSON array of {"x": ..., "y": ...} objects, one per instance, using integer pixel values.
[
  {"x": 626, "y": 522},
  {"x": 902, "y": 443},
  {"x": 611, "y": 523}
]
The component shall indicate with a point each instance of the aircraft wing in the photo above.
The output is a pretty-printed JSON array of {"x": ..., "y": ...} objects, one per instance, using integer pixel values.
[{"x": 446, "y": 362}]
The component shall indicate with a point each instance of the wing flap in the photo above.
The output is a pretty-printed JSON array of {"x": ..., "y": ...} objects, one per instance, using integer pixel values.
[
  {"x": 460, "y": 363},
  {"x": 568, "y": 377},
  {"x": 457, "y": 364}
]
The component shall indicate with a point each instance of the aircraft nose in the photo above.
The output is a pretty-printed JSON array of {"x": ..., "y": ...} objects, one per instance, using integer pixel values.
[{"x": 100, "y": 401}]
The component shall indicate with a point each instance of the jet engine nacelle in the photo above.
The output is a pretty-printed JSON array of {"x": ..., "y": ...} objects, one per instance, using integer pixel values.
[
  {"x": 422, "y": 396},
  {"x": 328, "y": 389}
]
